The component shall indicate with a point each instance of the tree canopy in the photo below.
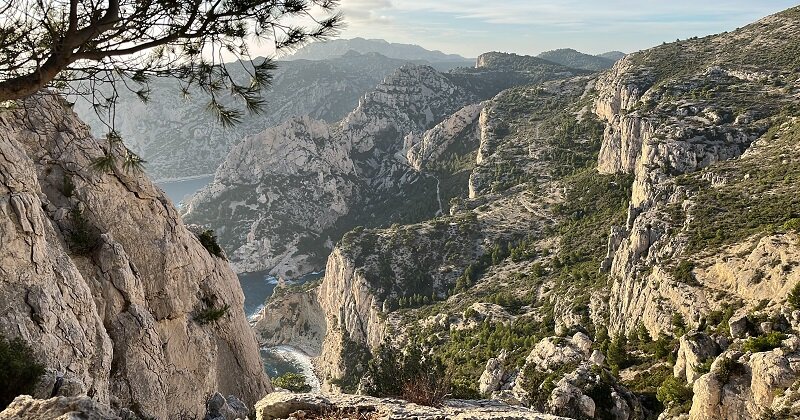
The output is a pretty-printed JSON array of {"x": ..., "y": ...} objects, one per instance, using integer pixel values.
[{"x": 74, "y": 45}]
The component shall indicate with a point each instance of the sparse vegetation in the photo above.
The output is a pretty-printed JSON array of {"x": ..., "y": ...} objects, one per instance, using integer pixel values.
[
  {"x": 674, "y": 393},
  {"x": 727, "y": 367},
  {"x": 410, "y": 374},
  {"x": 683, "y": 273},
  {"x": 794, "y": 297},
  {"x": 209, "y": 242},
  {"x": 212, "y": 314},
  {"x": 292, "y": 381},
  {"x": 19, "y": 370},
  {"x": 764, "y": 343},
  {"x": 82, "y": 237}
]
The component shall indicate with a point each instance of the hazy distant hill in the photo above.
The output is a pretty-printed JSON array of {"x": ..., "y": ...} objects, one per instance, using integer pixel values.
[
  {"x": 339, "y": 47},
  {"x": 577, "y": 59},
  {"x": 178, "y": 139},
  {"x": 612, "y": 55}
]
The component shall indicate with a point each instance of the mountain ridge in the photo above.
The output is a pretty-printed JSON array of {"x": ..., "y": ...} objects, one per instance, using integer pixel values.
[{"x": 339, "y": 47}]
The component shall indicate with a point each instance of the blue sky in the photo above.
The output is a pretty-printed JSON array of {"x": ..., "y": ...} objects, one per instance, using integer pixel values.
[{"x": 470, "y": 27}]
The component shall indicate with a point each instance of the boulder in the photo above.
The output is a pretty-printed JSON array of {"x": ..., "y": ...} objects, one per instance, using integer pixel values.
[
  {"x": 279, "y": 405},
  {"x": 583, "y": 342},
  {"x": 221, "y": 408},
  {"x": 492, "y": 376},
  {"x": 738, "y": 323},
  {"x": 695, "y": 349},
  {"x": 597, "y": 358}
]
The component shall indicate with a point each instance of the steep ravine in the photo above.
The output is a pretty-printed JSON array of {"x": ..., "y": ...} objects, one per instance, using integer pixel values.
[
  {"x": 106, "y": 283},
  {"x": 683, "y": 159}
]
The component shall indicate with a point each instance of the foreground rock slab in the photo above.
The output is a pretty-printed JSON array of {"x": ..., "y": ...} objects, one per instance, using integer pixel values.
[
  {"x": 26, "y": 407},
  {"x": 285, "y": 405}
]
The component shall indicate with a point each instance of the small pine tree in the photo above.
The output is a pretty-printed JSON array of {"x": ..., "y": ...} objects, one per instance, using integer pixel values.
[{"x": 618, "y": 353}]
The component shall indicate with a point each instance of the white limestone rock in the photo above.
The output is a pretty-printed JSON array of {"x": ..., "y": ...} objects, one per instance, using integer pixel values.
[{"x": 115, "y": 318}]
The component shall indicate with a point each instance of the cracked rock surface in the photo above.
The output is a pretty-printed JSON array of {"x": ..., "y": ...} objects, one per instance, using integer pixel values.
[{"x": 103, "y": 279}]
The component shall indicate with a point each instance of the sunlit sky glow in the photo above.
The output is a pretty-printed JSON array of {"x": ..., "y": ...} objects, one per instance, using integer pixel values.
[{"x": 470, "y": 27}]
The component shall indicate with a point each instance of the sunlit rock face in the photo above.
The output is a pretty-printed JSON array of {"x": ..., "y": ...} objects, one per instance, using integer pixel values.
[{"x": 105, "y": 282}]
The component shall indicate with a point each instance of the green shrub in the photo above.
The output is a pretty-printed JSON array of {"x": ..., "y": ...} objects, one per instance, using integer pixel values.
[
  {"x": 209, "y": 241},
  {"x": 674, "y": 392},
  {"x": 618, "y": 353},
  {"x": 683, "y": 273},
  {"x": 83, "y": 238},
  {"x": 794, "y": 297},
  {"x": 792, "y": 224},
  {"x": 294, "y": 382},
  {"x": 764, "y": 343},
  {"x": 540, "y": 384},
  {"x": 705, "y": 366},
  {"x": 212, "y": 314},
  {"x": 645, "y": 385},
  {"x": 410, "y": 374},
  {"x": 726, "y": 367},
  {"x": 19, "y": 370}
]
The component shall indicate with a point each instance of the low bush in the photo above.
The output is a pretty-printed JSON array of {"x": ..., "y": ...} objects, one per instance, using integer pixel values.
[
  {"x": 683, "y": 273},
  {"x": 19, "y": 370},
  {"x": 292, "y": 381},
  {"x": 209, "y": 241},
  {"x": 765, "y": 342},
  {"x": 83, "y": 237},
  {"x": 409, "y": 374},
  {"x": 673, "y": 392},
  {"x": 212, "y": 314},
  {"x": 727, "y": 367}
]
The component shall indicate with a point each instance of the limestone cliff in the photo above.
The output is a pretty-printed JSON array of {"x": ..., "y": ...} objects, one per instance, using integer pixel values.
[
  {"x": 263, "y": 226},
  {"x": 285, "y": 218},
  {"x": 105, "y": 282},
  {"x": 667, "y": 119},
  {"x": 178, "y": 138}
]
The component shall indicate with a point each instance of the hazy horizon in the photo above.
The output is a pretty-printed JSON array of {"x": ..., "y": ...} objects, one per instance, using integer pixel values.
[{"x": 472, "y": 27}]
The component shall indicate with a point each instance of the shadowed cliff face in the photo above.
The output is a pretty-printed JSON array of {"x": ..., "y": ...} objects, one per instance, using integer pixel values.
[{"x": 105, "y": 282}]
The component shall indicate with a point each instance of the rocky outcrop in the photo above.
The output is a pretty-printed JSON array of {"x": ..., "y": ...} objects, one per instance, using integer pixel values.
[
  {"x": 495, "y": 377},
  {"x": 104, "y": 280},
  {"x": 282, "y": 405},
  {"x": 579, "y": 387},
  {"x": 25, "y": 407},
  {"x": 263, "y": 226},
  {"x": 695, "y": 350},
  {"x": 294, "y": 318},
  {"x": 659, "y": 126},
  {"x": 459, "y": 130},
  {"x": 220, "y": 408},
  {"x": 353, "y": 319},
  {"x": 746, "y": 385}
]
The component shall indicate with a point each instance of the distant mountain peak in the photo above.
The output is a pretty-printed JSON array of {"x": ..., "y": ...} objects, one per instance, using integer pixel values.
[{"x": 339, "y": 47}]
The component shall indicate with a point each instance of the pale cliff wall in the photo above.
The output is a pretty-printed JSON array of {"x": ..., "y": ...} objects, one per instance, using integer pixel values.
[{"x": 117, "y": 318}]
